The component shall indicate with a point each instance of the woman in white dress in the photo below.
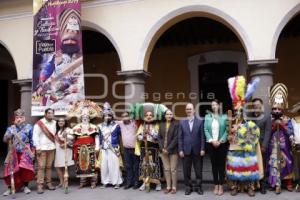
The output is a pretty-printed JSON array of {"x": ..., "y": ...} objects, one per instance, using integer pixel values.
[{"x": 63, "y": 131}]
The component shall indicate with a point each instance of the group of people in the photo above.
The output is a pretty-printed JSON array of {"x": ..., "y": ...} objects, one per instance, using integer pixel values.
[{"x": 249, "y": 151}]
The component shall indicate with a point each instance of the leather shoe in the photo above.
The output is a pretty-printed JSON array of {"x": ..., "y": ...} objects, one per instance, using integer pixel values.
[
  {"x": 263, "y": 190},
  {"x": 50, "y": 186},
  {"x": 126, "y": 187},
  {"x": 234, "y": 192},
  {"x": 200, "y": 191},
  {"x": 188, "y": 191},
  {"x": 40, "y": 189},
  {"x": 167, "y": 191},
  {"x": 173, "y": 191},
  {"x": 251, "y": 192}
]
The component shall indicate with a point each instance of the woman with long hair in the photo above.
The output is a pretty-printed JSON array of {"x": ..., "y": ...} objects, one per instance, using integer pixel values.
[
  {"x": 62, "y": 133},
  {"x": 215, "y": 128},
  {"x": 168, "y": 145}
]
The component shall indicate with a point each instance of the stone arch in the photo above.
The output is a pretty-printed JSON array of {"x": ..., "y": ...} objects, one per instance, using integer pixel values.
[
  {"x": 180, "y": 14},
  {"x": 11, "y": 63},
  {"x": 284, "y": 21},
  {"x": 87, "y": 25}
]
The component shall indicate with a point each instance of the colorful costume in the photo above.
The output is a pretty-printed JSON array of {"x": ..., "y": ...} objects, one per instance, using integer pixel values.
[
  {"x": 279, "y": 158},
  {"x": 110, "y": 133},
  {"x": 20, "y": 157},
  {"x": 296, "y": 146},
  {"x": 242, "y": 160},
  {"x": 147, "y": 144},
  {"x": 86, "y": 141}
]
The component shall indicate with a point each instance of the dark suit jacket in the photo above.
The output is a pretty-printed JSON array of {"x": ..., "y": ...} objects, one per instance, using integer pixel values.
[
  {"x": 191, "y": 141},
  {"x": 172, "y": 140},
  {"x": 265, "y": 127}
]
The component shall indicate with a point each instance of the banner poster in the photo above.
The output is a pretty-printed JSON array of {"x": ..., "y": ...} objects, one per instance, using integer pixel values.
[{"x": 57, "y": 79}]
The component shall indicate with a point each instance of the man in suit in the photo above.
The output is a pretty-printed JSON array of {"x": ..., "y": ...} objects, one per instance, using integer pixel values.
[{"x": 191, "y": 148}]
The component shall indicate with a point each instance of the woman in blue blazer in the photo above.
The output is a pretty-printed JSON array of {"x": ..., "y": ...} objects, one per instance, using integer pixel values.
[{"x": 215, "y": 129}]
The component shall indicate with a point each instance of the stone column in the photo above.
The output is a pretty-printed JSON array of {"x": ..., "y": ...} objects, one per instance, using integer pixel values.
[
  {"x": 264, "y": 70},
  {"x": 134, "y": 85},
  {"x": 25, "y": 90}
]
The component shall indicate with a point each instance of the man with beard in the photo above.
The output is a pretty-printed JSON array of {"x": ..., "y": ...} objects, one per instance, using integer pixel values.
[
  {"x": 21, "y": 154},
  {"x": 110, "y": 134},
  {"x": 66, "y": 77}
]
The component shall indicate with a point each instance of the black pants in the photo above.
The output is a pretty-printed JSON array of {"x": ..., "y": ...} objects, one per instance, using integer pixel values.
[
  {"x": 264, "y": 181},
  {"x": 132, "y": 166},
  {"x": 218, "y": 160},
  {"x": 195, "y": 161}
]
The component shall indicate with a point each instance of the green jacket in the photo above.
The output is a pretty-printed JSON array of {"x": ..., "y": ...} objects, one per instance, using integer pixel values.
[{"x": 222, "y": 119}]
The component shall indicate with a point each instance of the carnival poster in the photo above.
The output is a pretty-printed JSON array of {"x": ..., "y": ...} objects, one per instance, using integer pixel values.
[{"x": 57, "y": 56}]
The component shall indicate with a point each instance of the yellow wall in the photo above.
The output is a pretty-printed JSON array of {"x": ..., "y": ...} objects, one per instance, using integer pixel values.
[
  {"x": 133, "y": 25},
  {"x": 169, "y": 70}
]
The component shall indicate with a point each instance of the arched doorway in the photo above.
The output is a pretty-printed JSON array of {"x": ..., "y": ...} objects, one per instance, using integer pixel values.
[
  {"x": 10, "y": 94},
  {"x": 101, "y": 63},
  {"x": 194, "y": 58},
  {"x": 191, "y": 62},
  {"x": 288, "y": 53}
]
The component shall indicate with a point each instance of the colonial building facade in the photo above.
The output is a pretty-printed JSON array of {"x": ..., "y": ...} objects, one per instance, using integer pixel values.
[{"x": 166, "y": 51}]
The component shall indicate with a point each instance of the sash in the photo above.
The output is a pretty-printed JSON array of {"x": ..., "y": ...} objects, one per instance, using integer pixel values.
[
  {"x": 26, "y": 147},
  {"x": 46, "y": 131},
  {"x": 58, "y": 139}
]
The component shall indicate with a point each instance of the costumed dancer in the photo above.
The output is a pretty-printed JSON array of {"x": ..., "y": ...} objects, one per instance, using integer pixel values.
[
  {"x": 147, "y": 144},
  {"x": 86, "y": 141},
  {"x": 279, "y": 158},
  {"x": 242, "y": 168},
  {"x": 296, "y": 147},
  {"x": 111, "y": 160},
  {"x": 18, "y": 165}
]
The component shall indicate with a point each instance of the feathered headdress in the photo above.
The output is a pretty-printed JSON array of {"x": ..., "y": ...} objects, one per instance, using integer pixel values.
[
  {"x": 138, "y": 110},
  {"x": 84, "y": 107},
  {"x": 238, "y": 91},
  {"x": 279, "y": 96}
]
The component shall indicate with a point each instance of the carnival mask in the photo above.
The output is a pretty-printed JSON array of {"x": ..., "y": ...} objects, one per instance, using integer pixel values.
[
  {"x": 148, "y": 117},
  {"x": 19, "y": 120}
]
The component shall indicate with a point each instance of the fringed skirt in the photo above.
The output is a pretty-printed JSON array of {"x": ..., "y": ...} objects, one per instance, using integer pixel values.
[{"x": 242, "y": 166}]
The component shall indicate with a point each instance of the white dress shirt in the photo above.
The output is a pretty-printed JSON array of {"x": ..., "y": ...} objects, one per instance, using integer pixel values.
[
  {"x": 191, "y": 123},
  {"x": 40, "y": 140},
  {"x": 215, "y": 130}
]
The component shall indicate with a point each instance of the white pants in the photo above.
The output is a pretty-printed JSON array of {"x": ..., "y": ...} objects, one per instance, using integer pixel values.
[{"x": 110, "y": 168}]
